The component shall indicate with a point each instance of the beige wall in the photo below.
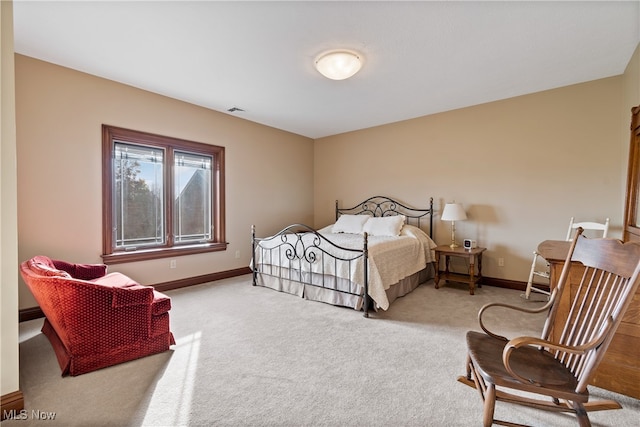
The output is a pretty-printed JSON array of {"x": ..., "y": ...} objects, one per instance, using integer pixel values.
[
  {"x": 521, "y": 167},
  {"x": 9, "y": 378},
  {"x": 59, "y": 117}
]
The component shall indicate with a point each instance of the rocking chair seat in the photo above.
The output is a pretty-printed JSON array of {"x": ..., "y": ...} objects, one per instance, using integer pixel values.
[{"x": 539, "y": 366}]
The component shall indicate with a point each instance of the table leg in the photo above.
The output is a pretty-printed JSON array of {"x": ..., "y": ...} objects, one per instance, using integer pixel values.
[
  {"x": 472, "y": 282},
  {"x": 436, "y": 279},
  {"x": 480, "y": 270}
]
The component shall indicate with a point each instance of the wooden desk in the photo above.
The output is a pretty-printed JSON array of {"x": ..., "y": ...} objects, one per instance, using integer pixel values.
[
  {"x": 472, "y": 254},
  {"x": 619, "y": 371}
]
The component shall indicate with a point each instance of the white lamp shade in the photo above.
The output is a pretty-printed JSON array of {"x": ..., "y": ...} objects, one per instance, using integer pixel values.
[
  {"x": 453, "y": 212},
  {"x": 338, "y": 64}
]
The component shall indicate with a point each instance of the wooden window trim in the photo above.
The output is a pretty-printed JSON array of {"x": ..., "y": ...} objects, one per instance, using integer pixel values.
[
  {"x": 218, "y": 243},
  {"x": 631, "y": 228}
]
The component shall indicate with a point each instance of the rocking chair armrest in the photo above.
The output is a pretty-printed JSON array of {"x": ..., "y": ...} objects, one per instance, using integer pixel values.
[
  {"x": 531, "y": 341},
  {"x": 512, "y": 307},
  {"x": 541, "y": 343}
]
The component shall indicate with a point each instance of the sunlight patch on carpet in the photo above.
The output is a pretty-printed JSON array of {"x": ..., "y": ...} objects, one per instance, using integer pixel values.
[{"x": 173, "y": 393}]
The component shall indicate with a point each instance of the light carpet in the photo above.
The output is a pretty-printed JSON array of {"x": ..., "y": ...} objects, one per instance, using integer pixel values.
[{"x": 251, "y": 356}]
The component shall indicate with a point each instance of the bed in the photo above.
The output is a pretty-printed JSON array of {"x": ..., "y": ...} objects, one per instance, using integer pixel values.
[{"x": 375, "y": 252}]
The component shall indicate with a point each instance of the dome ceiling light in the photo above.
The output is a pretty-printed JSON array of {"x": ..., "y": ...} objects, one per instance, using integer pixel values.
[{"x": 338, "y": 64}]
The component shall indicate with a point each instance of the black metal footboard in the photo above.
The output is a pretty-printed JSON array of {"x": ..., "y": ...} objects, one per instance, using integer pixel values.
[{"x": 300, "y": 254}]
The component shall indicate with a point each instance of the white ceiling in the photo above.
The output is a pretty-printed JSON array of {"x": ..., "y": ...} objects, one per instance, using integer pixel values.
[{"x": 420, "y": 57}]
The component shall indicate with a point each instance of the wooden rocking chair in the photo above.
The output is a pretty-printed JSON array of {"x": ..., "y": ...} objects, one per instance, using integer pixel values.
[{"x": 582, "y": 319}]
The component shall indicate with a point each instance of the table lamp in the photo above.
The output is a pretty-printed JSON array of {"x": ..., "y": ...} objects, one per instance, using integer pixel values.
[{"x": 453, "y": 212}]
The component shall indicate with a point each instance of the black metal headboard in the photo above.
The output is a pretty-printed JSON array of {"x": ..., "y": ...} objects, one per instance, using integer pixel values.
[{"x": 385, "y": 206}]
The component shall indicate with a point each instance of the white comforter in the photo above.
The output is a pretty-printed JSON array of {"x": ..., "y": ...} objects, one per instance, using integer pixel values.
[{"x": 390, "y": 258}]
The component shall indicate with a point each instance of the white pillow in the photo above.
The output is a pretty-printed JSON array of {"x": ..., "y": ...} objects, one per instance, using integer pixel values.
[
  {"x": 385, "y": 225},
  {"x": 350, "y": 224}
]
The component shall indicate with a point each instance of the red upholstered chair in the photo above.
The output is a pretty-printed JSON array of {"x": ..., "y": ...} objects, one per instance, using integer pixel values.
[{"x": 93, "y": 319}]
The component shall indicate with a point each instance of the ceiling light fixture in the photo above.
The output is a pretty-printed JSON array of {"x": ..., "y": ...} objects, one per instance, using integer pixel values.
[{"x": 338, "y": 64}]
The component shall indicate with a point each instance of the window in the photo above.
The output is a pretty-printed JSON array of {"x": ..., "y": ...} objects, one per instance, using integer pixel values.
[{"x": 163, "y": 196}]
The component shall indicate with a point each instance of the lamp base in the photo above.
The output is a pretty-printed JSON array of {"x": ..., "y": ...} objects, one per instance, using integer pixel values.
[{"x": 453, "y": 244}]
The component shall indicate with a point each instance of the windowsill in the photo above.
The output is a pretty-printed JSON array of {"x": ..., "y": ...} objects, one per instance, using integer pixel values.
[{"x": 149, "y": 254}]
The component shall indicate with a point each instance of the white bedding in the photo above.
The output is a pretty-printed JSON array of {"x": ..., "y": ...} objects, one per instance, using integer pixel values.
[{"x": 390, "y": 258}]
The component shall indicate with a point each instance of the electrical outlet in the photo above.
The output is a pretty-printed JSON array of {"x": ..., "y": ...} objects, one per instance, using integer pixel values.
[
  {"x": 238, "y": 253},
  {"x": 500, "y": 262},
  {"x": 172, "y": 263}
]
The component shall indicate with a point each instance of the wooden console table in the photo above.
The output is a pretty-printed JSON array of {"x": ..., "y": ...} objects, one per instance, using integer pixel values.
[{"x": 619, "y": 371}]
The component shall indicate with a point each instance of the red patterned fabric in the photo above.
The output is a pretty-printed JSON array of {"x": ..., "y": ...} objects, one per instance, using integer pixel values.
[
  {"x": 100, "y": 321},
  {"x": 45, "y": 267},
  {"x": 81, "y": 271}
]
